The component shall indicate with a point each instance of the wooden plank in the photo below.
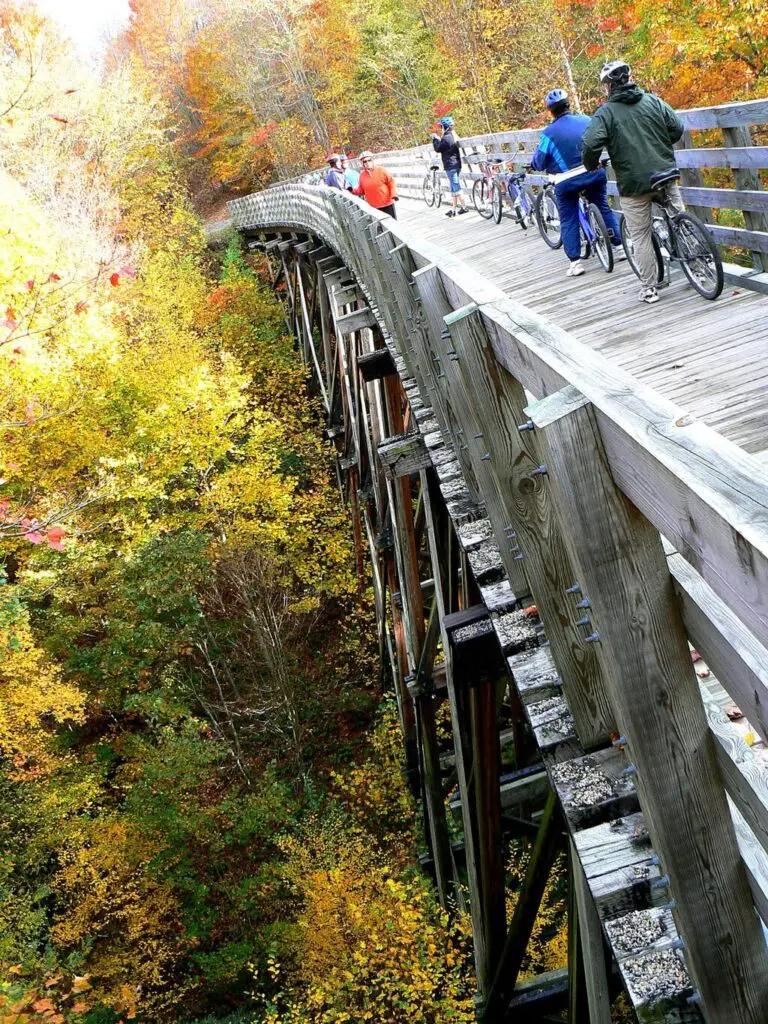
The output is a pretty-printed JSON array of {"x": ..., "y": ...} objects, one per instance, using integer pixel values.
[
  {"x": 498, "y": 401},
  {"x": 741, "y": 156},
  {"x": 738, "y": 660},
  {"x": 654, "y": 692}
]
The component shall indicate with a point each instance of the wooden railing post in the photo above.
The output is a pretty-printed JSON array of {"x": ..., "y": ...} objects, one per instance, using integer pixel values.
[
  {"x": 634, "y": 617},
  {"x": 494, "y": 402}
]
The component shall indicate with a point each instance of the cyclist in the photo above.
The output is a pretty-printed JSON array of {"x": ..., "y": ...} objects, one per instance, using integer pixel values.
[
  {"x": 351, "y": 176},
  {"x": 334, "y": 177},
  {"x": 376, "y": 186},
  {"x": 559, "y": 154},
  {"x": 448, "y": 148},
  {"x": 638, "y": 130}
]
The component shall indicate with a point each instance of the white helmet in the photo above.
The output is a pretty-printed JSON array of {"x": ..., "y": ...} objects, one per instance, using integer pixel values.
[{"x": 615, "y": 71}]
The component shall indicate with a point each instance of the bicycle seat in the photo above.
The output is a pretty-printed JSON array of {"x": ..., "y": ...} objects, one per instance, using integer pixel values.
[{"x": 664, "y": 177}]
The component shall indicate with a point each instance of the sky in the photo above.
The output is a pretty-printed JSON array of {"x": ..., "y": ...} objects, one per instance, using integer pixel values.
[{"x": 87, "y": 21}]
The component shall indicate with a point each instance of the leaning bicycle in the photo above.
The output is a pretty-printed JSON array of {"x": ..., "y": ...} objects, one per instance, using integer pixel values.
[
  {"x": 510, "y": 187},
  {"x": 430, "y": 187},
  {"x": 678, "y": 238}
]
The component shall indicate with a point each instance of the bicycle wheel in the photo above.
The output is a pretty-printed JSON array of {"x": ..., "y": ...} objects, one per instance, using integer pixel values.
[
  {"x": 481, "y": 197},
  {"x": 629, "y": 249},
  {"x": 428, "y": 188},
  {"x": 548, "y": 217},
  {"x": 438, "y": 187},
  {"x": 528, "y": 201},
  {"x": 602, "y": 244},
  {"x": 699, "y": 256},
  {"x": 497, "y": 202}
]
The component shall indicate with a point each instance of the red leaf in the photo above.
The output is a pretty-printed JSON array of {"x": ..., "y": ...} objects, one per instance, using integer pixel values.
[
  {"x": 81, "y": 307},
  {"x": 53, "y": 277},
  {"x": 31, "y": 284},
  {"x": 61, "y": 120},
  {"x": 114, "y": 280}
]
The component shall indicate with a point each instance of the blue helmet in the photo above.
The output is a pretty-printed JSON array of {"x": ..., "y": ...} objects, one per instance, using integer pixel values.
[
  {"x": 555, "y": 96},
  {"x": 446, "y": 122}
]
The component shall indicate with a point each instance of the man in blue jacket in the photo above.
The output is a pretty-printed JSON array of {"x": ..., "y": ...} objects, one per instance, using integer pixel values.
[
  {"x": 559, "y": 155},
  {"x": 449, "y": 151}
]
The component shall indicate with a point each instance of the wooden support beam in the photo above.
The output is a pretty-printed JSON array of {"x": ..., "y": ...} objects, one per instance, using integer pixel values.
[
  {"x": 475, "y": 668},
  {"x": 545, "y": 849},
  {"x": 403, "y": 455},
  {"x": 512, "y": 466},
  {"x": 377, "y": 364},
  {"x": 654, "y": 693},
  {"x": 348, "y": 323}
]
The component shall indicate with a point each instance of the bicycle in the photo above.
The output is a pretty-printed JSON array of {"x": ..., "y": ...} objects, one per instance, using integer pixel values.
[
  {"x": 430, "y": 187},
  {"x": 594, "y": 234},
  {"x": 678, "y": 238},
  {"x": 548, "y": 216},
  {"x": 482, "y": 189},
  {"x": 520, "y": 196}
]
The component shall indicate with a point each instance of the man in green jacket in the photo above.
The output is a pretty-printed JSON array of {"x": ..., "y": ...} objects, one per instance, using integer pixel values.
[{"x": 638, "y": 129}]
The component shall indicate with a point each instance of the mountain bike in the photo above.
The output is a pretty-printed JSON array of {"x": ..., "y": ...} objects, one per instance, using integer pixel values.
[
  {"x": 510, "y": 185},
  {"x": 482, "y": 188},
  {"x": 548, "y": 216},
  {"x": 430, "y": 187},
  {"x": 678, "y": 238},
  {"x": 594, "y": 234}
]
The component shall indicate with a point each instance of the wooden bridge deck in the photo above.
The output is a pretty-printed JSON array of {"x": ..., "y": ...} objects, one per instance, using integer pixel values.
[{"x": 709, "y": 357}]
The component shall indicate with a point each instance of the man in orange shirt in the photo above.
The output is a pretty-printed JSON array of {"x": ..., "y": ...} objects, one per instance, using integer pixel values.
[{"x": 376, "y": 186}]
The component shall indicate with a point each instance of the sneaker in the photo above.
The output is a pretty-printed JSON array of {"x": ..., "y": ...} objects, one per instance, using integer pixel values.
[
  {"x": 576, "y": 269},
  {"x": 462, "y": 209},
  {"x": 649, "y": 295},
  {"x": 451, "y": 213}
]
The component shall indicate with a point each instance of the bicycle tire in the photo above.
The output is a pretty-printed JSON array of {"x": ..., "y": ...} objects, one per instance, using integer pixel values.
[
  {"x": 702, "y": 254},
  {"x": 629, "y": 249},
  {"x": 497, "y": 202},
  {"x": 602, "y": 246},
  {"x": 548, "y": 218},
  {"x": 428, "y": 189},
  {"x": 438, "y": 190},
  {"x": 481, "y": 198},
  {"x": 529, "y": 205}
]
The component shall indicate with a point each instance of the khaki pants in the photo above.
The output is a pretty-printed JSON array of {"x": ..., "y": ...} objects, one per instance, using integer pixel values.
[{"x": 637, "y": 210}]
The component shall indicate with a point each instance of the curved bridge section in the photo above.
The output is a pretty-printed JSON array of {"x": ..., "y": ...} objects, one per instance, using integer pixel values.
[{"x": 548, "y": 539}]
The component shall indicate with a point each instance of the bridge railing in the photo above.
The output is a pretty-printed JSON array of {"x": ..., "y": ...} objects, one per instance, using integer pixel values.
[
  {"x": 738, "y": 154},
  {"x": 587, "y": 470}
]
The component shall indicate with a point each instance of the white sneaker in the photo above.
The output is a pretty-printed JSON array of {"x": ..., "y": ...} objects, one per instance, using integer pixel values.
[
  {"x": 648, "y": 295},
  {"x": 576, "y": 269}
]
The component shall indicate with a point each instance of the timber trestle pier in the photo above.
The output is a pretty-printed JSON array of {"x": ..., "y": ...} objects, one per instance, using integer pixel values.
[{"x": 548, "y": 539}]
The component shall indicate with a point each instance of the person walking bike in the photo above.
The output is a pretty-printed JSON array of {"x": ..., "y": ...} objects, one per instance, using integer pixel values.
[
  {"x": 638, "y": 130},
  {"x": 376, "y": 186},
  {"x": 448, "y": 148},
  {"x": 559, "y": 154}
]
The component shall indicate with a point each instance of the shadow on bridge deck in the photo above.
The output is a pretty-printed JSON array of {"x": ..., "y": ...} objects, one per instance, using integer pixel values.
[{"x": 709, "y": 357}]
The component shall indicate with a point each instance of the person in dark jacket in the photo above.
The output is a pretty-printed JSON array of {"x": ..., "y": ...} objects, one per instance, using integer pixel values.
[
  {"x": 559, "y": 154},
  {"x": 448, "y": 148},
  {"x": 334, "y": 177},
  {"x": 638, "y": 130}
]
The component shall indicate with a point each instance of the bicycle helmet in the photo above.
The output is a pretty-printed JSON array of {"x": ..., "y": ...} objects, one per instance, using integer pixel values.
[
  {"x": 555, "y": 96},
  {"x": 615, "y": 71},
  {"x": 446, "y": 122}
]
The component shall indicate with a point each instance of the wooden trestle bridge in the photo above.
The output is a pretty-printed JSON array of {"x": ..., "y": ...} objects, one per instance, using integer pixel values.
[{"x": 496, "y": 459}]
